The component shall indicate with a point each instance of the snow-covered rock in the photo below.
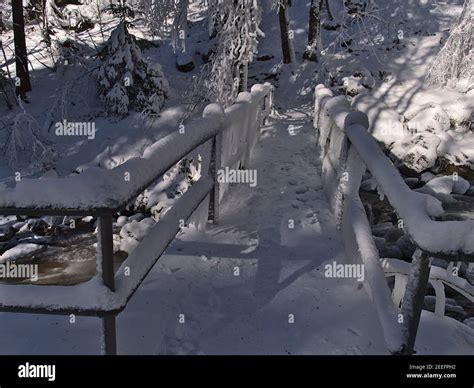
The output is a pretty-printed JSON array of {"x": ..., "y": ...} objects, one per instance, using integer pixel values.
[
  {"x": 386, "y": 124},
  {"x": 21, "y": 250},
  {"x": 418, "y": 153},
  {"x": 427, "y": 176},
  {"x": 34, "y": 225},
  {"x": 133, "y": 232},
  {"x": 136, "y": 217},
  {"x": 433, "y": 119},
  {"x": 457, "y": 147},
  {"x": 121, "y": 221},
  {"x": 446, "y": 185}
]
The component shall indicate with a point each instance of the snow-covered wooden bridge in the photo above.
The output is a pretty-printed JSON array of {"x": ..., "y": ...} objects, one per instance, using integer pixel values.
[{"x": 288, "y": 264}]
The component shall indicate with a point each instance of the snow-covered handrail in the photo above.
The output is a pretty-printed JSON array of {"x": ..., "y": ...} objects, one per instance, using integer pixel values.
[
  {"x": 347, "y": 151},
  {"x": 414, "y": 208},
  {"x": 99, "y": 191},
  {"x": 103, "y": 193}
]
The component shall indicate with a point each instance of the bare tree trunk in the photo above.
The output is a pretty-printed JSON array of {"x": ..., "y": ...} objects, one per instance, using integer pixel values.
[
  {"x": 286, "y": 41},
  {"x": 314, "y": 31},
  {"x": 23, "y": 84}
]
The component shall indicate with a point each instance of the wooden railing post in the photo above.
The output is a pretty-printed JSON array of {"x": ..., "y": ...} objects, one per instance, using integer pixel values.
[
  {"x": 214, "y": 167},
  {"x": 267, "y": 106},
  {"x": 414, "y": 298},
  {"x": 106, "y": 244},
  {"x": 215, "y": 111}
]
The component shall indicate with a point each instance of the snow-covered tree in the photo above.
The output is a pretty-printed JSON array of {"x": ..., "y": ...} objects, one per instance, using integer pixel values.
[
  {"x": 454, "y": 65},
  {"x": 236, "y": 32},
  {"x": 5, "y": 15},
  {"x": 167, "y": 18},
  {"x": 24, "y": 149},
  {"x": 126, "y": 80}
]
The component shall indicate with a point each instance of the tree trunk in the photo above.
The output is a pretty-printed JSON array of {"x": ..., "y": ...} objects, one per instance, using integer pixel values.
[
  {"x": 23, "y": 84},
  {"x": 244, "y": 76},
  {"x": 314, "y": 31},
  {"x": 286, "y": 41}
]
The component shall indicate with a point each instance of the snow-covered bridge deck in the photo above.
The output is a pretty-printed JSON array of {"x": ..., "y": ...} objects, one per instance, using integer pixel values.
[{"x": 255, "y": 284}]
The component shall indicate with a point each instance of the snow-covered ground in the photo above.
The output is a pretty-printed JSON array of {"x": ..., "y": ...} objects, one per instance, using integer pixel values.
[{"x": 252, "y": 284}]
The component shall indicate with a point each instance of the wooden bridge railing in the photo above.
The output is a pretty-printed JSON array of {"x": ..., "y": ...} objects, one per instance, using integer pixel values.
[
  {"x": 347, "y": 151},
  {"x": 104, "y": 193}
]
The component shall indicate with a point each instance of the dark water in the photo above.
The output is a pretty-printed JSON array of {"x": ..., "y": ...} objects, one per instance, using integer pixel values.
[{"x": 67, "y": 260}]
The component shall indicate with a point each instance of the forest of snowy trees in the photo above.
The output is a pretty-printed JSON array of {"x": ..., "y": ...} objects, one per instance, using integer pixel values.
[
  {"x": 89, "y": 88},
  {"x": 233, "y": 29}
]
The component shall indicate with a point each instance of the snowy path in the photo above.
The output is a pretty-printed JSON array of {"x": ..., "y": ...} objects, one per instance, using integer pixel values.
[{"x": 247, "y": 277}]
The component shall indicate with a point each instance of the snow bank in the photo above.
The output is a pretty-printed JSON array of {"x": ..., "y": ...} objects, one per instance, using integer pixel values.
[
  {"x": 408, "y": 95},
  {"x": 414, "y": 123},
  {"x": 385, "y": 123}
]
